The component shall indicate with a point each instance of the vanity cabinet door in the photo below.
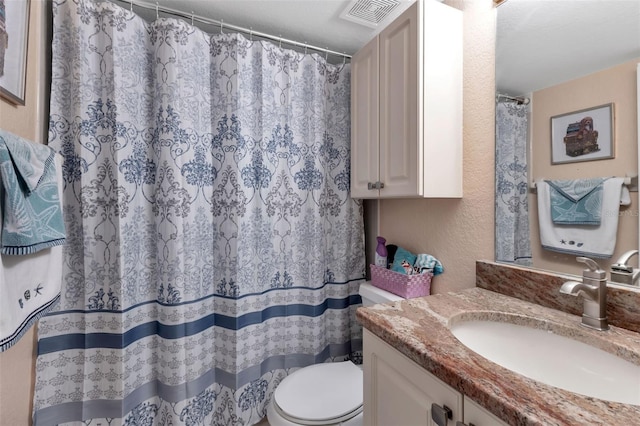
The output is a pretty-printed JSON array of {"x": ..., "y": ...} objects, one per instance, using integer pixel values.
[
  {"x": 397, "y": 391},
  {"x": 479, "y": 416}
]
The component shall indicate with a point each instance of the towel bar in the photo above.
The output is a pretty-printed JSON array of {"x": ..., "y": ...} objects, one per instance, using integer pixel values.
[{"x": 630, "y": 181}]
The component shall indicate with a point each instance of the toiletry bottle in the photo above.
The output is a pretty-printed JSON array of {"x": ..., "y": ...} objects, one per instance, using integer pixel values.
[{"x": 381, "y": 253}]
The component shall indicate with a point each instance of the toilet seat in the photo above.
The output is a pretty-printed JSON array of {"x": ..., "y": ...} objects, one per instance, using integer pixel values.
[{"x": 320, "y": 394}]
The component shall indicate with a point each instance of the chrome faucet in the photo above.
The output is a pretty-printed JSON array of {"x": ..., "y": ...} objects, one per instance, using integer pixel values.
[
  {"x": 622, "y": 273},
  {"x": 593, "y": 289}
]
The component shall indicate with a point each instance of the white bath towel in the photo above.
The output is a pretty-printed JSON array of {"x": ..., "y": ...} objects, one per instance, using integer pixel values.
[
  {"x": 583, "y": 240},
  {"x": 29, "y": 286}
]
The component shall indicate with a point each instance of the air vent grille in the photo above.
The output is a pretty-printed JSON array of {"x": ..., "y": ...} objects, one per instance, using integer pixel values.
[{"x": 369, "y": 12}]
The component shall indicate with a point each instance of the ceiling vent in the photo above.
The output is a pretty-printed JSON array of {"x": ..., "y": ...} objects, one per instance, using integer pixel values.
[{"x": 369, "y": 12}]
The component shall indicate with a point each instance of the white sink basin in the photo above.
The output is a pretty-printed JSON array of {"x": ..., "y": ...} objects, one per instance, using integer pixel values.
[{"x": 552, "y": 359}]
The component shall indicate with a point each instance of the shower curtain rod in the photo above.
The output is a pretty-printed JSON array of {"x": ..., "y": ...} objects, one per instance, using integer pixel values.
[
  {"x": 519, "y": 99},
  {"x": 223, "y": 25}
]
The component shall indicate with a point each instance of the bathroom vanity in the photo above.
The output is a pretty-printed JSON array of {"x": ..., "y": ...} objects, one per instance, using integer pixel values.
[
  {"x": 412, "y": 360},
  {"x": 399, "y": 391}
]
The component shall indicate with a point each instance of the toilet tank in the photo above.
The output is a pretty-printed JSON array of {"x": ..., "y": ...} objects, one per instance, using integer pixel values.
[{"x": 372, "y": 295}]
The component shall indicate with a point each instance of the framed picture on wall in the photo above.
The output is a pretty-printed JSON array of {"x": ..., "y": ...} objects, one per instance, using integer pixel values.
[
  {"x": 583, "y": 135},
  {"x": 14, "y": 31}
]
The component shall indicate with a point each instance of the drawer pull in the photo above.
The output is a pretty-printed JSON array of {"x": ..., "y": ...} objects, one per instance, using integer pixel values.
[{"x": 440, "y": 414}]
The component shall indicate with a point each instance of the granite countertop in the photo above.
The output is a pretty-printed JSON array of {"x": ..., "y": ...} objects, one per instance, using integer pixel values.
[{"x": 419, "y": 329}]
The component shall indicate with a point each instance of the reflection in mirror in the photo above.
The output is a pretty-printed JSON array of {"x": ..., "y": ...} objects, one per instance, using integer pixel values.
[{"x": 555, "y": 58}]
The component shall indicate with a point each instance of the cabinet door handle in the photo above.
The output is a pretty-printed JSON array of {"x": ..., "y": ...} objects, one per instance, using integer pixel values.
[
  {"x": 375, "y": 185},
  {"x": 440, "y": 415}
]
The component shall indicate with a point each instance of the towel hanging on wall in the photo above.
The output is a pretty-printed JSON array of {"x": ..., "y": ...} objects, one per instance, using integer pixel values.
[
  {"x": 583, "y": 240},
  {"x": 32, "y": 213},
  {"x": 29, "y": 285},
  {"x": 576, "y": 201}
]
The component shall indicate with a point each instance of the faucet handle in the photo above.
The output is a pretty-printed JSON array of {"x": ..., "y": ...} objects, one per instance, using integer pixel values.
[
  {"x": 592, "y": 264},
  {"x": 621, "y": 264},
  {"x": 594, "y": 270}
]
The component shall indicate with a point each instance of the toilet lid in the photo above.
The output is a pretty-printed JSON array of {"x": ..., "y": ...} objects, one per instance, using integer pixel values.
[{"x": 321, "y": 393}]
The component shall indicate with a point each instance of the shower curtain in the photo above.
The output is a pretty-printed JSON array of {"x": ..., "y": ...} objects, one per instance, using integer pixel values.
[
  {"x": 512, "y": 208},
  {"x": 213, "y": 247}
]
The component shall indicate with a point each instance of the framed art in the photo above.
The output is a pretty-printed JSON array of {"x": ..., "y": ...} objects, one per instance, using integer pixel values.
[
  {"x": 14, "y": 32},
  {"x": 583, "y": 135}
]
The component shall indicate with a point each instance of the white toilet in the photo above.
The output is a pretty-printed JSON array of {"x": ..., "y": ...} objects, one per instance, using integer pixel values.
[{"x": 324, "y": 394}]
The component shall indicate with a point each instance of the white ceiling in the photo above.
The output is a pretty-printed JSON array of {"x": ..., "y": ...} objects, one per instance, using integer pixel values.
[{"x": 539, "y": 42}]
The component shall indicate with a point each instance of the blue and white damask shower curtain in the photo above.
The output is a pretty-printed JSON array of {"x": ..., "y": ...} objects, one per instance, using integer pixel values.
[
  {"x": 513, "y": 243},
  {"x": 213, "y": 246}
]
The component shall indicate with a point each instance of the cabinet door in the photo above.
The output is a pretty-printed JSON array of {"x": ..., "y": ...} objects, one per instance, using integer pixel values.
[
  {"x": 479, "y": 416},
  {"x": 399, "y": 107},
  {"x": 364, "y": 120},
  {"x": 399, "y": 392}
]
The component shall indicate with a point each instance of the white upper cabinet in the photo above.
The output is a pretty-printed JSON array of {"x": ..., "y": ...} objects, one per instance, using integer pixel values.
[
  {"x": 399, "y": 108},
  {"x": 364, "y": 117},
  {"x": 406, "y": 97}
]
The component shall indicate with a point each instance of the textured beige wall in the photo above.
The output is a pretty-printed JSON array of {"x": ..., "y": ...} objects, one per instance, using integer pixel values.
[
  {"x": 17, "y": 364},
  {"x": 458, "y": 232},
  {"x": 617, "y": 85}
]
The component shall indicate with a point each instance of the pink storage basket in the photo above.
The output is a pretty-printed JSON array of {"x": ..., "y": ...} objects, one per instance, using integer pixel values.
[{"x": 407, "y": 286}]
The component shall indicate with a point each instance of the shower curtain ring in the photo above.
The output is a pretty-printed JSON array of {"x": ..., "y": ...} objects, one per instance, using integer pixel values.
[
  {"x": 157, "y": 11},
  {"x": 280, "y": 41},
  {"x": 326, "y": 54},
  {"x": 251, "y": 33},
  {"x": 344, "y": 58},
  {"x": 221, "y": 25},
  {"x": 305, "y": 47},
  {"x": 131, "y": 6},
  {"x": 192, "y": 18}
]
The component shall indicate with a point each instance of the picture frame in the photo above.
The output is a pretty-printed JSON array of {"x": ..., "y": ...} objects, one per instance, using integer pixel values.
[
  {"x": 583, "y": 135},
  {"x": 14, "y": 34}
]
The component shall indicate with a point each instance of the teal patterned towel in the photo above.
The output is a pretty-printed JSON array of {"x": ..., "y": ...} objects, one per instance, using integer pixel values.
[
  {"x": 31, "y": 210},
  {"x": 426, "y": 261},
  {"x": 403, "y": 261},
  {"x": 577, "y": 201}
]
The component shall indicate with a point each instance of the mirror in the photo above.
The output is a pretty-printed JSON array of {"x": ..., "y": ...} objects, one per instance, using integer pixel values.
[{"x": 564, "y": 56}]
